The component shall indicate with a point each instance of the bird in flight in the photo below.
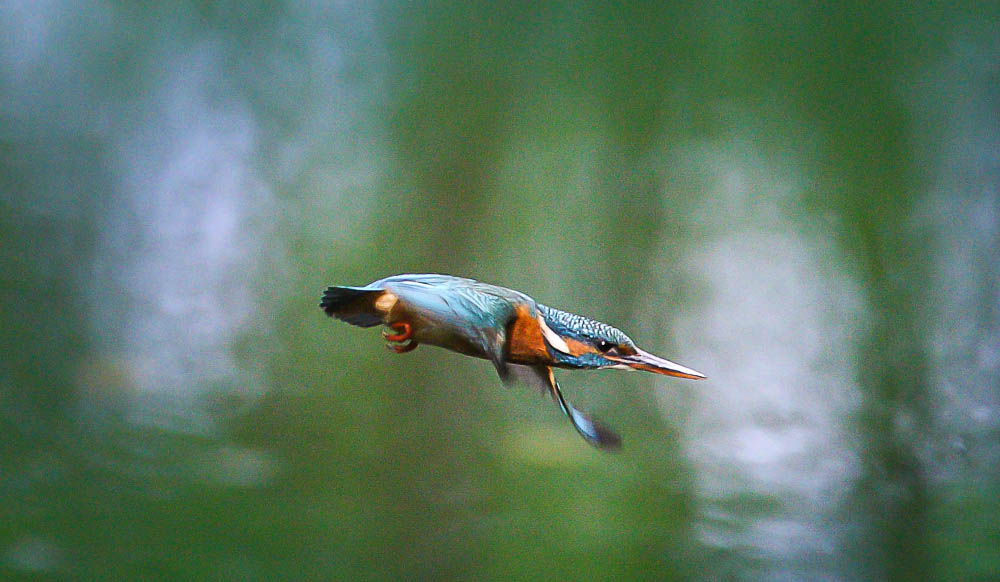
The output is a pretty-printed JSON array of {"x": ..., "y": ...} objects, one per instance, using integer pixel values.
[{"x": 523, "y": 338}]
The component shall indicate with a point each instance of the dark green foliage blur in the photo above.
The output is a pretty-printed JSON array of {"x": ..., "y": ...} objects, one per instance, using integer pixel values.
[{"x": 180, "y": 182}]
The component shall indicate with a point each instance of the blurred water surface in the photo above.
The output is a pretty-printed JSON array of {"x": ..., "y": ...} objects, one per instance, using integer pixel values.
[{"x": 802, "y": 202}]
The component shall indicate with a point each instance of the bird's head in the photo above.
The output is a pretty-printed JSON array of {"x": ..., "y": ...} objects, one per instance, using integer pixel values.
[{"x": 578, "y": 342}]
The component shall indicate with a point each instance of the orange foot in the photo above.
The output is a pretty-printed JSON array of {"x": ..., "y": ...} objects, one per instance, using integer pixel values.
[{"x": 402, "y": 341}]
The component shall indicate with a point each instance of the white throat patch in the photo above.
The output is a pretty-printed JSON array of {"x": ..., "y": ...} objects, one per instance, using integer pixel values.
[{"x": 552, "y": 338}]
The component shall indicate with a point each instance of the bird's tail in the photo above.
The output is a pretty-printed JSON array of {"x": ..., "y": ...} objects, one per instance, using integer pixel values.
[{"x": 355, "y": 305}]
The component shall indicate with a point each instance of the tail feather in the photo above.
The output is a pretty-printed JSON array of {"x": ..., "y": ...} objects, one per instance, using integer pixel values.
[{"x": 355, "y": 305}]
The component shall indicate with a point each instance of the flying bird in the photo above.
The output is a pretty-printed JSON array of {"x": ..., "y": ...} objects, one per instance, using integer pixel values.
[{"x": 523, "y": 338}]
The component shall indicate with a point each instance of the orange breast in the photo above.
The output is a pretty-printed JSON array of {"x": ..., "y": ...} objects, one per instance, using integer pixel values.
[{"x": 525, "y": 342}]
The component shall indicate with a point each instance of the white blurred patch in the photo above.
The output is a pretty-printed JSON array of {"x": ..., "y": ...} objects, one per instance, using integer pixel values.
[
  {"x": 960, "y": 96},
  {"x": 32, "y": 33},
  {"x": 182, "y": 246},
  {"x": 769, "y": 428}
]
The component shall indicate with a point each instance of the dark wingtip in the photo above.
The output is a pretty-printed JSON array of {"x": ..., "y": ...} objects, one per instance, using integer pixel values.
[
  {"x": 331, "y": 299},
  {"x": 351, "y": 304}
]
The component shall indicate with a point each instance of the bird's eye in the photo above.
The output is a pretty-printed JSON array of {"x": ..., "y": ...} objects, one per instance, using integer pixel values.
[{"x": 604, "y": 346}]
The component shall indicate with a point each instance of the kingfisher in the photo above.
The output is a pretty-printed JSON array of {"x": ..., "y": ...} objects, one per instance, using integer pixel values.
[{"x": 523, "y": 339}]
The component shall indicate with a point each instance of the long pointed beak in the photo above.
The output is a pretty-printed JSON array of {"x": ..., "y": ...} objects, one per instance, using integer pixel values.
[{"x": 646, "y": 361}]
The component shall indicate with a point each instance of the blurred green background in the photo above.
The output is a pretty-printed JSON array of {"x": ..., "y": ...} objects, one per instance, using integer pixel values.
[{"x": 800, "y": 200}]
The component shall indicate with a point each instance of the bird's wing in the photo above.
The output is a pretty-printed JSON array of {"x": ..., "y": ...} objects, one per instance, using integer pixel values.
[
  {"x": 543, "y": 378},
  {"x": 483, "y": 310}
]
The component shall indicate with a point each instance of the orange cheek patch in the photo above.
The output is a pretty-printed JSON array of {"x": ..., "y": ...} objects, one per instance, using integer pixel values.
[{"x": 577, "y": 348}]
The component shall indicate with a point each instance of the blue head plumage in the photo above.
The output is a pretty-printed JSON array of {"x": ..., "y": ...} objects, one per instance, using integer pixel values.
[{"x": 599, "y": 338}]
